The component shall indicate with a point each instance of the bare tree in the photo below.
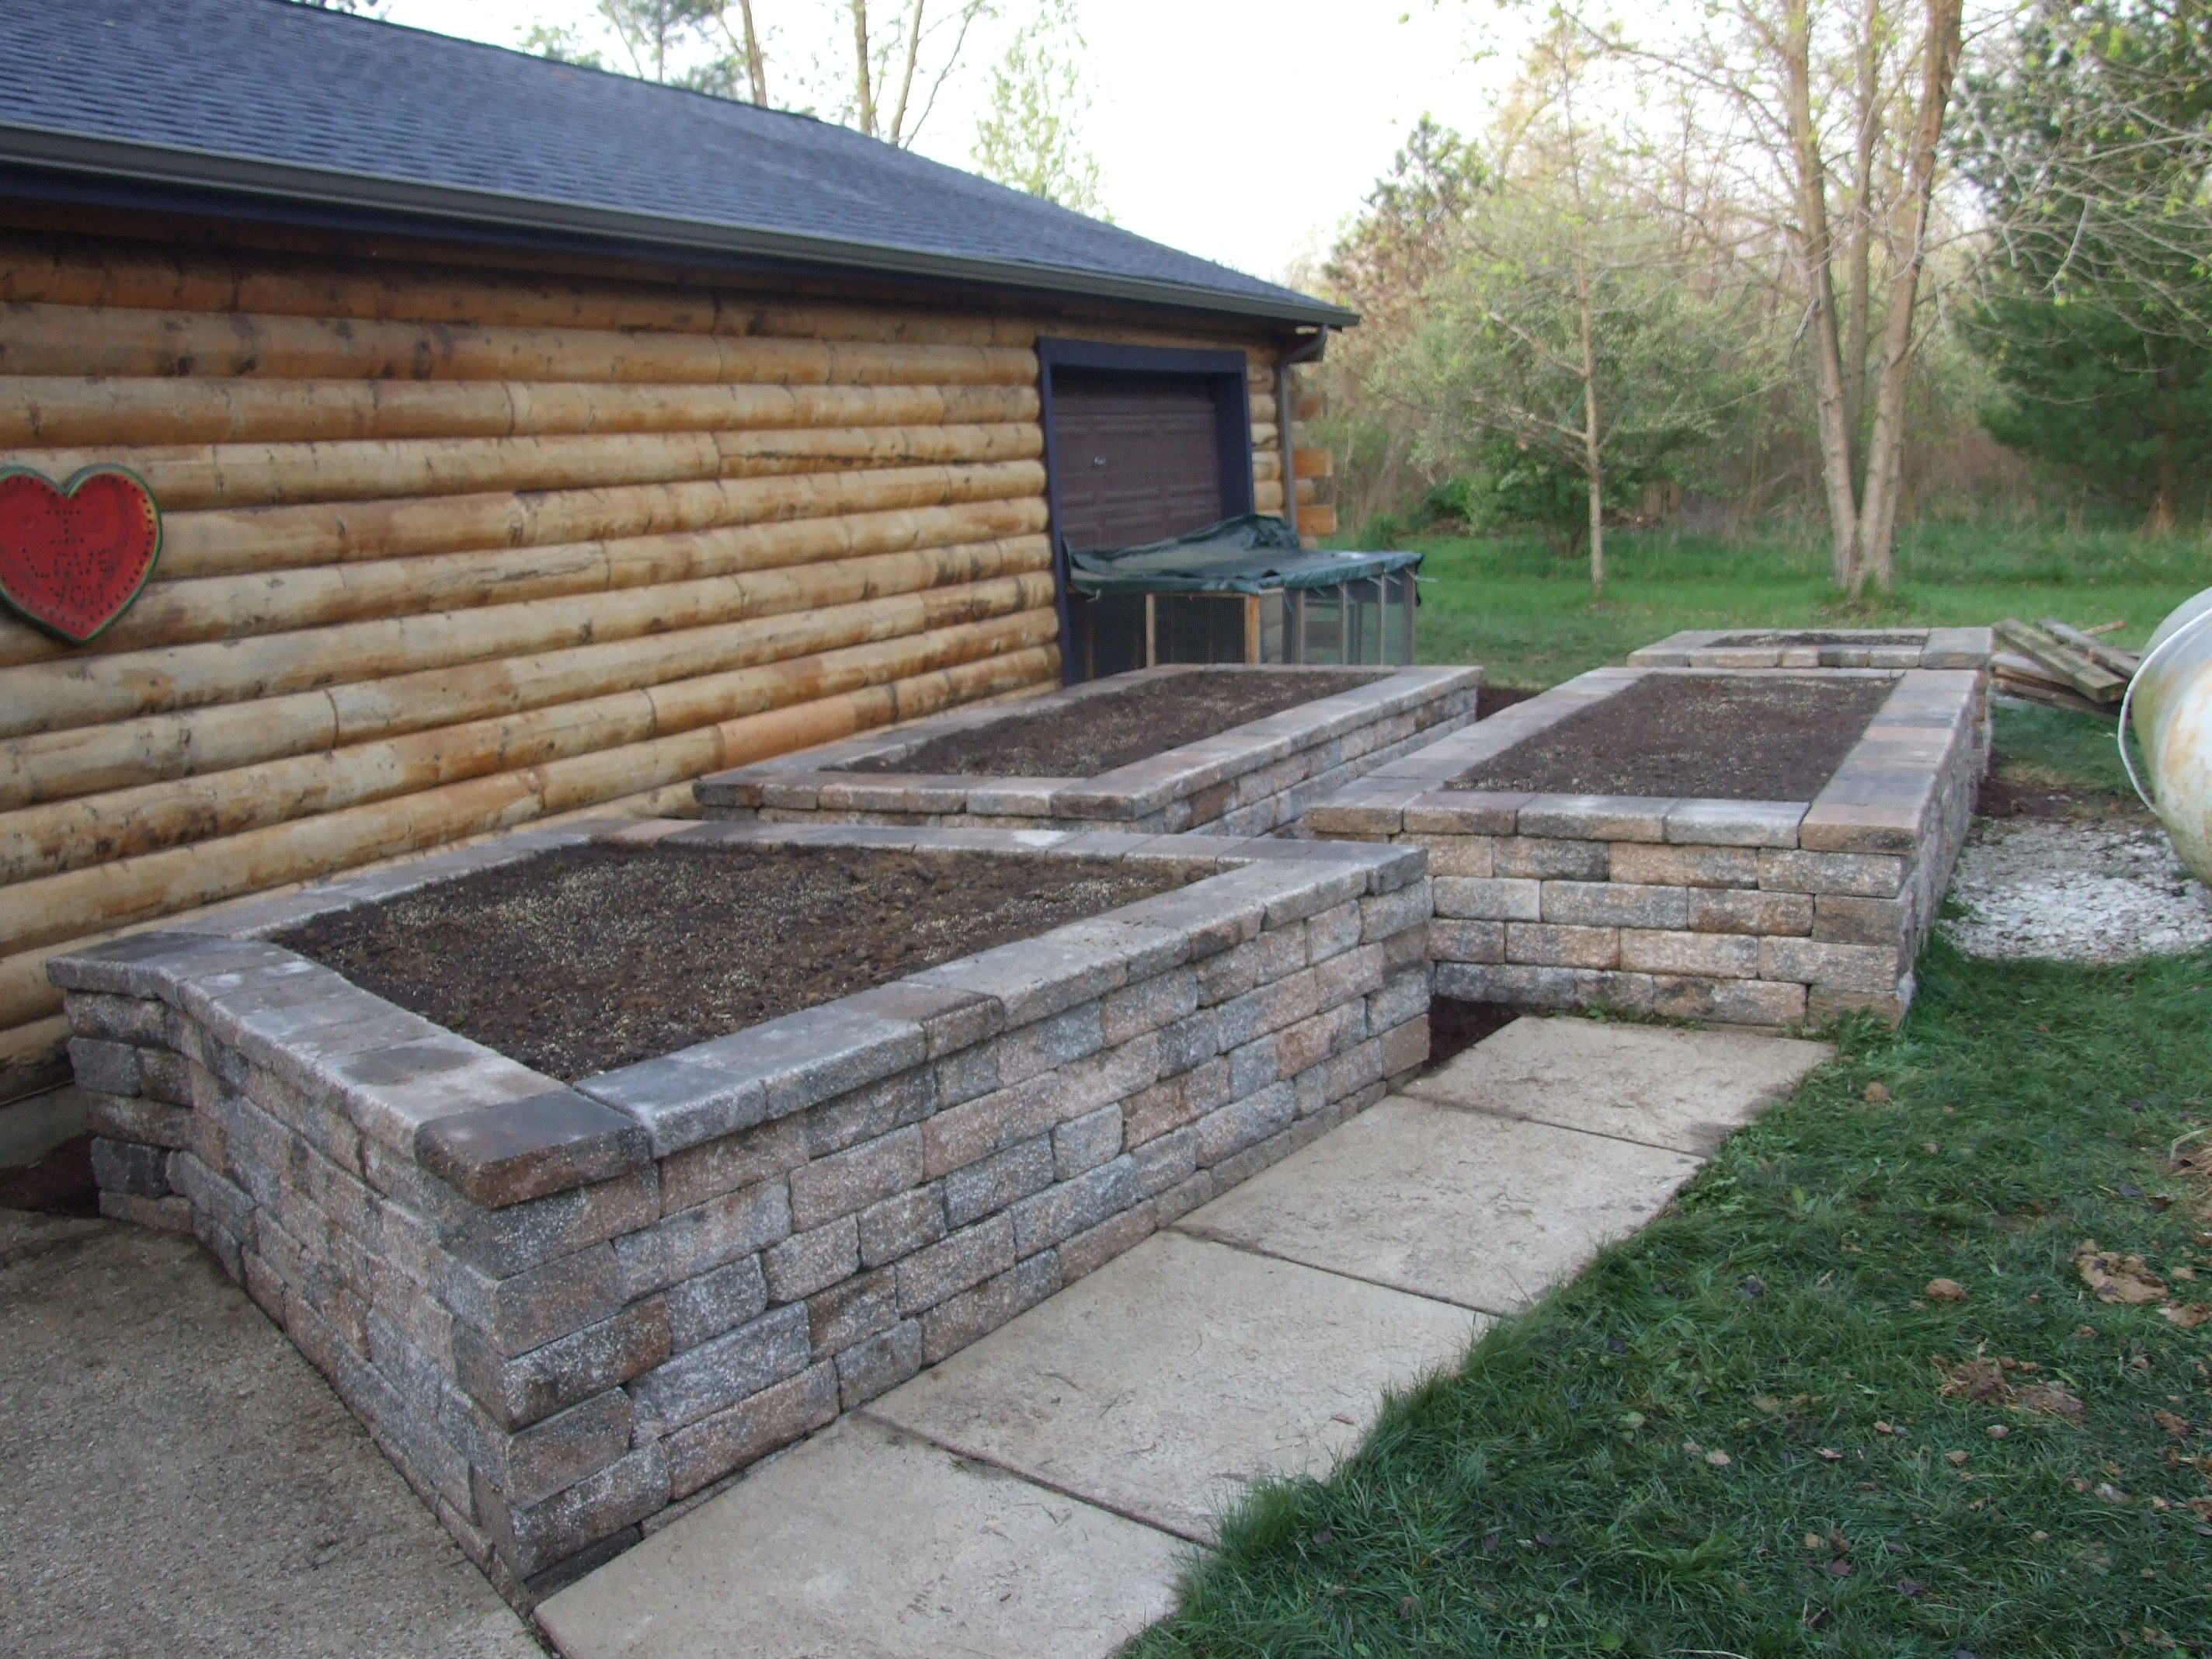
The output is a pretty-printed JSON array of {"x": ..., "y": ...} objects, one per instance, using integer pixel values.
[
  {"x": 1825, "y": 98},
  {"x": 745, "y": 43},
  {"x": 916, "y": 43},
  {"x": 884, "y": 80}
]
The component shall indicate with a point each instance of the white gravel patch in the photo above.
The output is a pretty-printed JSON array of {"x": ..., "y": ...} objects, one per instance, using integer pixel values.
[{"x": 2075, "y": 892}]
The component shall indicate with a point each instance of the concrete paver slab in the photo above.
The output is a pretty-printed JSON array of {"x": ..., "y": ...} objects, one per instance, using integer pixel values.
[
  {"x": 1663, "y": 1085},
  {"x": 863, "y": 1543},
  {"x": 1484, "y": 1211},
  {"x": 1161, "y": 1383},
  {"x": 180, "y": 1482}
]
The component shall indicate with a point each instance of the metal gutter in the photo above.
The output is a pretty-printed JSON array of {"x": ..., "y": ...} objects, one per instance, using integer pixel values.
[{"x": 87, "y": 155}]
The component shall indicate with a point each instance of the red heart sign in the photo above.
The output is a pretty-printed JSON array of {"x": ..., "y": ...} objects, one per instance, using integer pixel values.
[{"x": 72, "y": 559}]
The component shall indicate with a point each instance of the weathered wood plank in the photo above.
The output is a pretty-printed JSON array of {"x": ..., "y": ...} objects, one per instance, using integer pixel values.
[
  {"x": 58, "y": 765},
  {"x": 60, "y": 411},
  {"x": 42, "y": 841},
  {"x": 235, "y": 542},
  {"x": 162, "y": 276},
  {"x": 39, "y": 914},
  {"x": 37, "y": 338},
  {"x": 747, "y": 454},
  {"x": 239, "y": 607},
  {"x": 2088, "y": 678},
  {"x": 45, "y": 697}
]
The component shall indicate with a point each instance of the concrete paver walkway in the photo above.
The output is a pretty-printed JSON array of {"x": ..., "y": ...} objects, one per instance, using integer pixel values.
[
  {"x": 1032, "y": 1495},
  {"x": 1240, "y": 1365},
  {"x": 1485, "y": 1212},
  {"x": 1655, "y": 1086},
  {"x": 867, "y": 1544}
]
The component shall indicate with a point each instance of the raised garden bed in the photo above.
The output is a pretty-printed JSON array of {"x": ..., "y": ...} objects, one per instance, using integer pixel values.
[
  {"x": 1654, "y": 882},
  {"x": 1237, "y": 751},
  {"x": 1731, "y": 736},
  {"x": 567, "y": 1310},
  {"x": 586, "y": 958},
  {"x": 1813, "y": 648}
]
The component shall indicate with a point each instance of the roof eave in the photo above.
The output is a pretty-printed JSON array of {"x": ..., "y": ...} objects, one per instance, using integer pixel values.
[{"x": 96, "y": 156}]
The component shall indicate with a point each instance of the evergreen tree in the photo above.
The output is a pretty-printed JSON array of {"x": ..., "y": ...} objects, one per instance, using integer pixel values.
[{"x": 2086, "y": 133}]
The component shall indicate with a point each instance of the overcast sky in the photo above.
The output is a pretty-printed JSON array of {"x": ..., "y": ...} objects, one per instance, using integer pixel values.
[{"x": 1242, "y": 130}]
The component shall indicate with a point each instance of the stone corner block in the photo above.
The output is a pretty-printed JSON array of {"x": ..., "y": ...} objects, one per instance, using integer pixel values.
[
  {"x": 129, "y": 966},
  {"x": 521, "y": 1148}
]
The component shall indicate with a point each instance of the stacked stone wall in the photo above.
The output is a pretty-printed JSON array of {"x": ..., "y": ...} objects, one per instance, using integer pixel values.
[
  {"x": 1254, "y": 779},
  {"x": 566, "y": 1314},
  {"x": 1759, "y": 913}
]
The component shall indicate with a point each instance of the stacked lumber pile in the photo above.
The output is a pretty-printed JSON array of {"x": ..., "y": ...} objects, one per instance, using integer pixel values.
[
  {"x": 450, "y": 549},
  {"x": 2063, "y": 666}
]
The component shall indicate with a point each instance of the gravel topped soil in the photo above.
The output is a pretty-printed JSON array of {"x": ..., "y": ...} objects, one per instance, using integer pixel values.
[
  {"x": 585, "y": 958},
  {"x": 2074, "y": 892},
  {"x": 1098, "y": 733},
  {"x": 1710, "y": 736}
]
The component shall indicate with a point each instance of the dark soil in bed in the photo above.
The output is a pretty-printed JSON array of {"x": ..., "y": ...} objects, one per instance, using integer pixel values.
[
  {"x": 1113, "y": 728},
  {"x": 1717, "y": 737},
  {"x": 1807, "y": 636},
  {"x": 585, "y": 958}
]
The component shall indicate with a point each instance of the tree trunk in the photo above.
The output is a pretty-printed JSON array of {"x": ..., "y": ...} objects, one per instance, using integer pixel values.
[
  {"x": 1886, "y": 450},
  {"x": 1861, "y": 246},
  {"x": 2159, "y": 520},
  {"x": 1817, "y": 250},
  {"x": 755, "y": 65},
  {"x": 864, "y": 95},
  {"x": 1593, "y": 461},
  {"x": 906, "y": 79}
]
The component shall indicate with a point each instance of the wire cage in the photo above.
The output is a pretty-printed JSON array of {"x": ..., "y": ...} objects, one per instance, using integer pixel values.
[{"x": 1234, "y": 593}]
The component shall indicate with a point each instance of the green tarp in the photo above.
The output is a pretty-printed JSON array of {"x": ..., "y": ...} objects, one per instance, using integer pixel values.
[{"x": 1253, "y": 554}]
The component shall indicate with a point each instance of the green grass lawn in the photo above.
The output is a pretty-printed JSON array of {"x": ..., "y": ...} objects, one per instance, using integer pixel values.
[
  {"x": 1526, "y": 615},
  {"x": 1754, "y": 1431}
]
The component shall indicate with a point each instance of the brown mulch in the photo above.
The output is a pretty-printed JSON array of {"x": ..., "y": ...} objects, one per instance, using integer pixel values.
[
  {"x": 1712, "y": 736},
  {"x": 1455, "y": 1026},
  {"x": 585, "y": 958},
  {"x": 1114, "y": 728},
  {"x": 57, "y": 1183},
  {"x": 1491, "y": 698}
]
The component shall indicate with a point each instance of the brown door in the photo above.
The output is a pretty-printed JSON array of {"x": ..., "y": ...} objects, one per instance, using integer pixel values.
[{"x": 1139, "y": 457}]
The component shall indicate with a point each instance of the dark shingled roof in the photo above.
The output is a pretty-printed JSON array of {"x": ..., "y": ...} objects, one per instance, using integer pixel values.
[{"x": 287, "y": 103}]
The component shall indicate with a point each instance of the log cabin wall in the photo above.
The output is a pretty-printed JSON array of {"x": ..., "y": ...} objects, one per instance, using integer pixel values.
[{"x": 450, "y": 547}]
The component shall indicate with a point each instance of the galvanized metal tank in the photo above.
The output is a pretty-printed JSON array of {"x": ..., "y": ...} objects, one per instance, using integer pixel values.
[{"x": 2170, "y": 702}]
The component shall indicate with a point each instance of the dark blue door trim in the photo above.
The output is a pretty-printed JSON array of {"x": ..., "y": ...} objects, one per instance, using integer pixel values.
[{"x": 1224, "y": 371}]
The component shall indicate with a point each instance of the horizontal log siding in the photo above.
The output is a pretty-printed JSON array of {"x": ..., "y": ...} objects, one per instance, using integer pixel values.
[{"x": 450, "y": 549}]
